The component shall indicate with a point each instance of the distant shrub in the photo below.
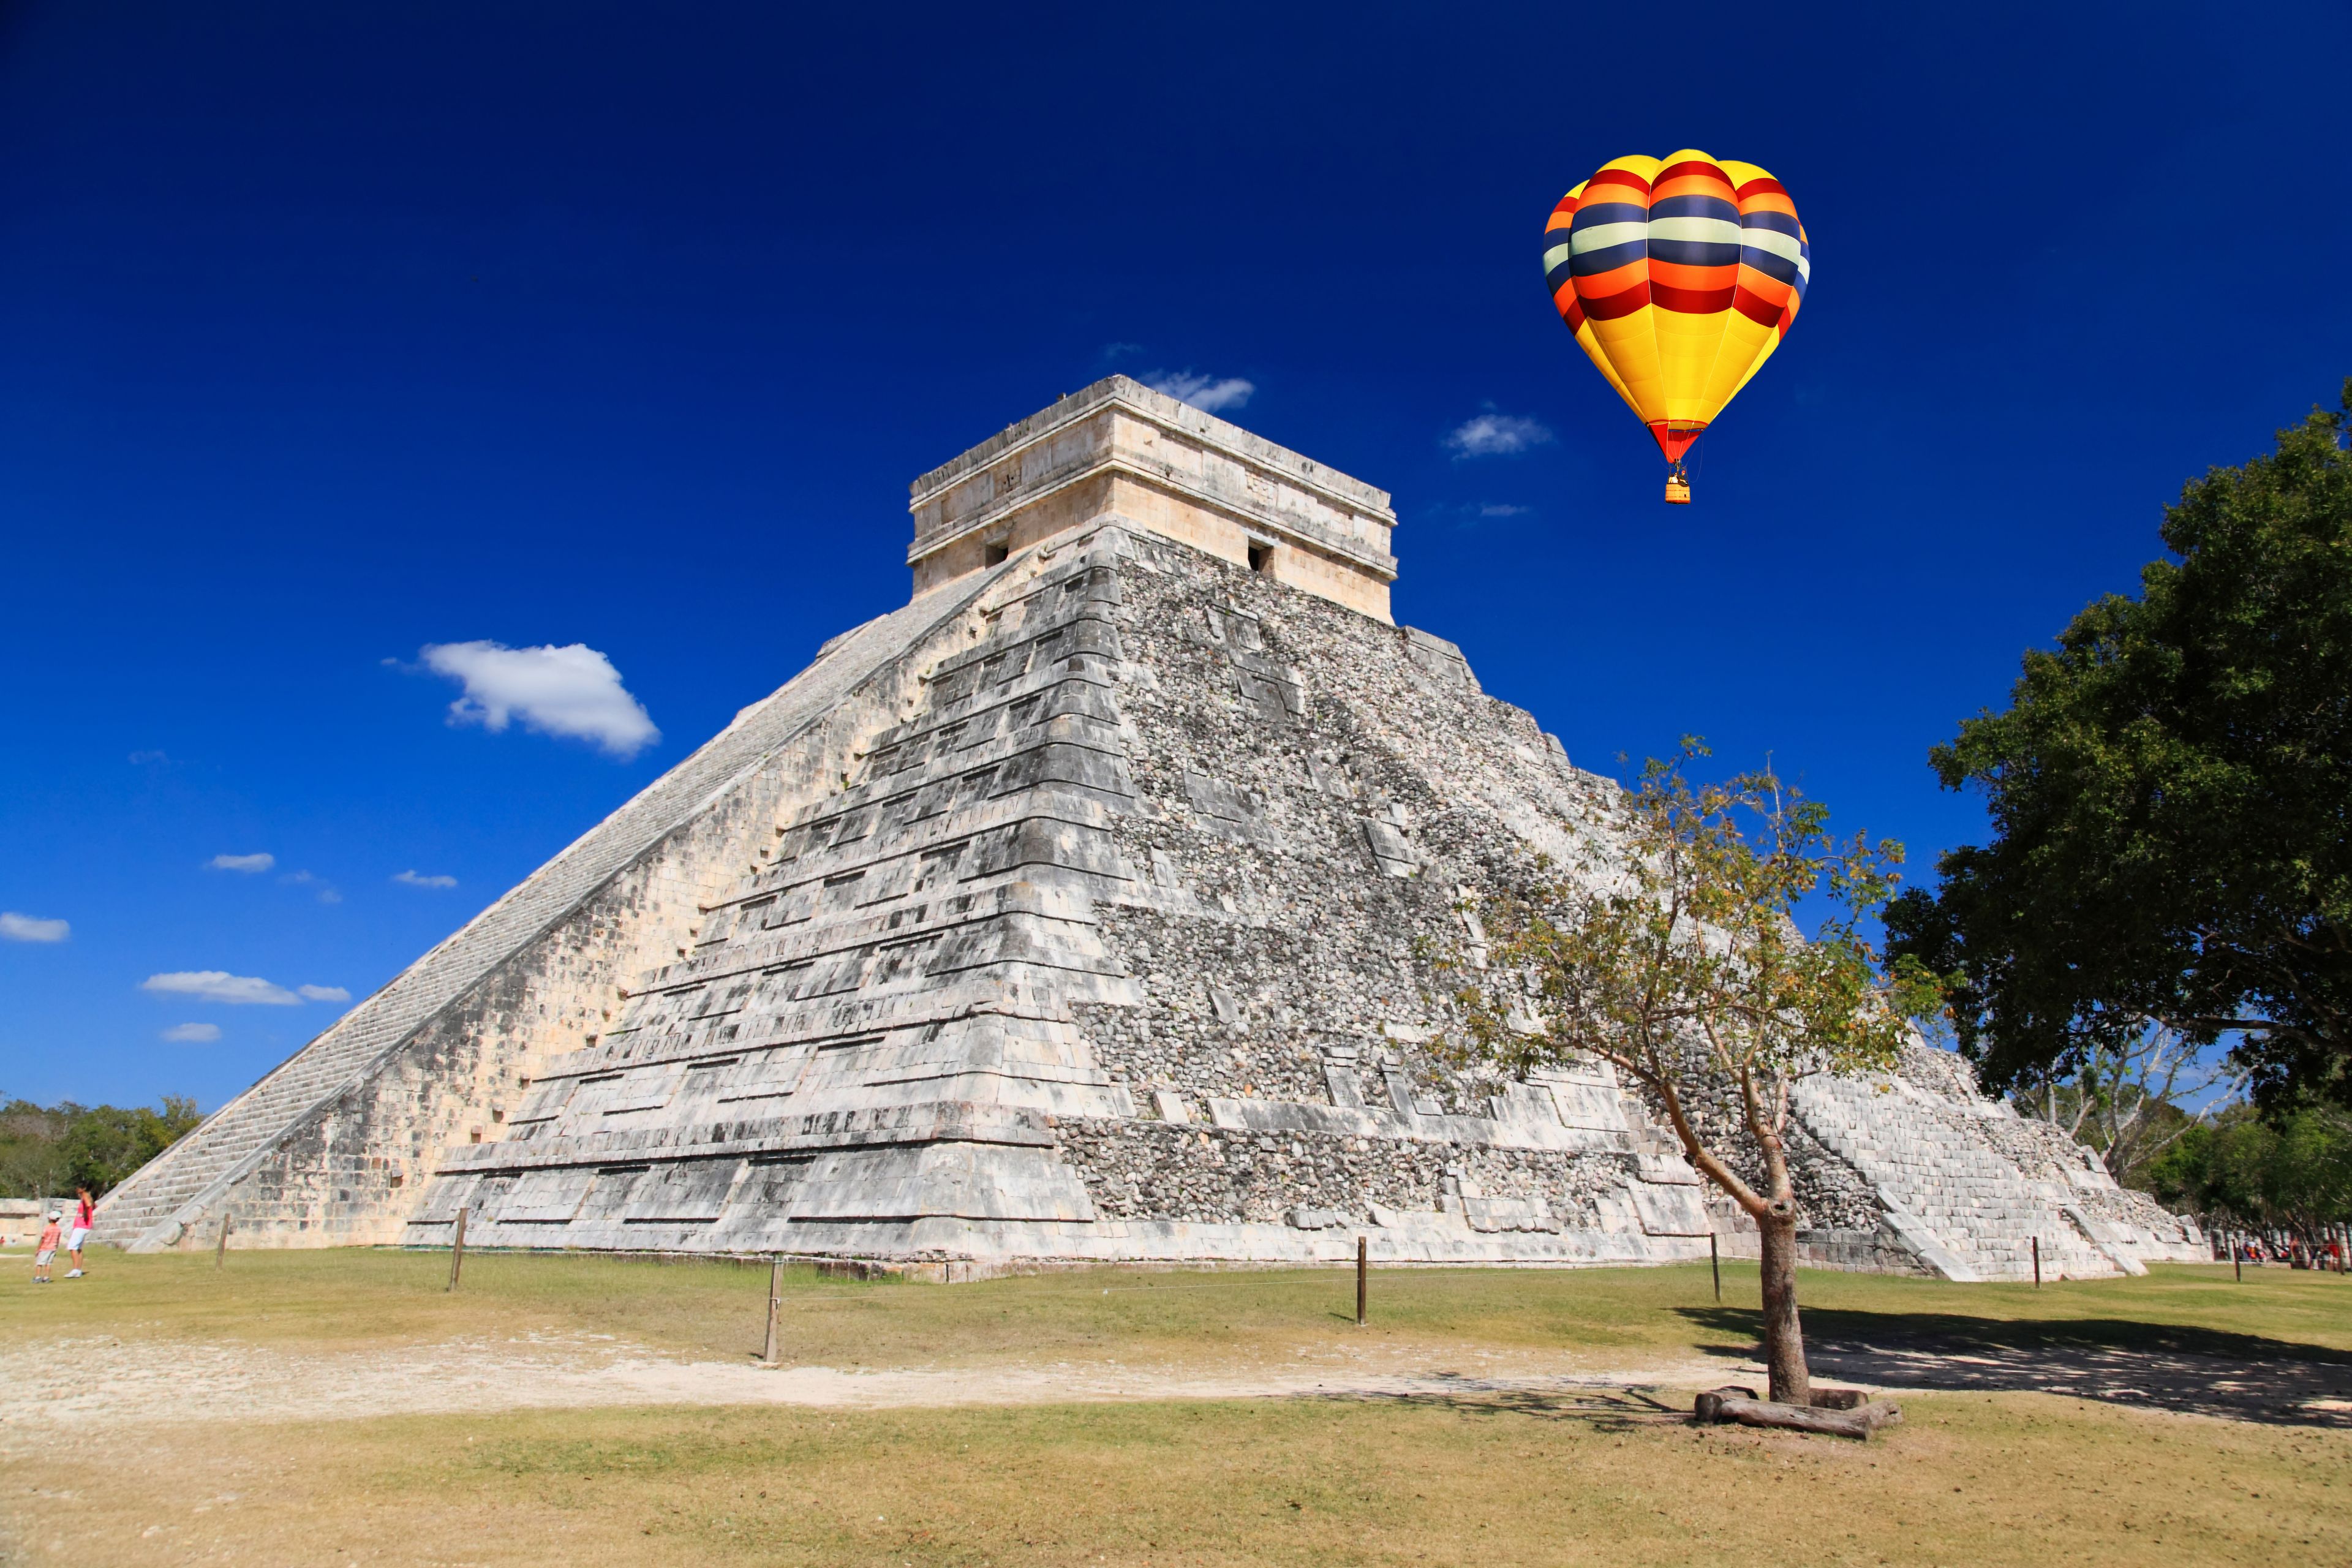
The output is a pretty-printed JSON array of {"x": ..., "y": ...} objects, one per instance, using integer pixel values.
[{"x": 47, "y": 1151}]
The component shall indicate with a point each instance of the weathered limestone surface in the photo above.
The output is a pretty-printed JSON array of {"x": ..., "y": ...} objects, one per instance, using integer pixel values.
[
  {"x": 1118, "y": 448},
  {"x": 333, "y": 1146},
  {"x": 1107, "y": 948},
  {"x": 1083, "y": 909}
]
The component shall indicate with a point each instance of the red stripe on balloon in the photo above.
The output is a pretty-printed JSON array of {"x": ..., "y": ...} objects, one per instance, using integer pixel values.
[
  {"x": 1689, "y": 301},
  {"x": 1570, "y": 307},
  {"x": 1755, "y": 308},
  {"x": 1624, "y": 303},
  {"x": 1626, "y": 177},
  {"x": 1687, "y": 170}
]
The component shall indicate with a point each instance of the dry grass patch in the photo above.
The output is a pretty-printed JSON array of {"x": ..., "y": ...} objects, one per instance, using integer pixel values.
[{"x": 2021, "y": 1479}]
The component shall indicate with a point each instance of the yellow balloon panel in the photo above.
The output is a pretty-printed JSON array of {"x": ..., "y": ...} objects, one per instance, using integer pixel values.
[{"x": 1678, "y": 276}]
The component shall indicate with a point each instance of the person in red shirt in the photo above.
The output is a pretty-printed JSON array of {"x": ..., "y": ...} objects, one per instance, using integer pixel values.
[
  {"x": 47, "y": 1249},
  {"x": 85, "y": 1215}
]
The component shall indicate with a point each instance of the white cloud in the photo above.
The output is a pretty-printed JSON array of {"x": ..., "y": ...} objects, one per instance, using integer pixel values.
[
  {"x": 1208, "y": 394},
  {"x": 237, "y": 990},
  {"x": 140, "y": 759},
  {"x": 219, "y": 985},
  {"x": 1114, "y": 351},
  {"x": 248, "y": 863},
  {"x": 193, "y": 1034},
  {"x": 15, "y": 927},
  {"x": 1494, "y": 435},
  {"x": 417, "y": 879},
  {"x": 327, "y": 892},
  {"x": 572, "y": 690},
  {"x": 1504, "y": 509}
]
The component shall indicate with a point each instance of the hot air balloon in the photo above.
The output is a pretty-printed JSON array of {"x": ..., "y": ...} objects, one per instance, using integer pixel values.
[{"x": 1679, "y": 276}]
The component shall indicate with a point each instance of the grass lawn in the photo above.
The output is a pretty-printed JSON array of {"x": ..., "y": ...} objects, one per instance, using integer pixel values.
[
  {"x": 706, "y": 1309},
  {"x": 1996, "y": 1478},
  {"x": 2024, "y": 1479}
]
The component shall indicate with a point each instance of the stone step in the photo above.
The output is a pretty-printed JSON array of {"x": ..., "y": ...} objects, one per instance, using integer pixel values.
[
  {"x": 1981, "y": 1207},
  {"x": 182, "y": 1175}
]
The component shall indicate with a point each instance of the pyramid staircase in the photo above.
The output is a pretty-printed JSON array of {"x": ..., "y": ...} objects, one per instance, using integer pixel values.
[
  {"x": 1969, "y": 1212},
  {"x": 183, "y": 1186}
]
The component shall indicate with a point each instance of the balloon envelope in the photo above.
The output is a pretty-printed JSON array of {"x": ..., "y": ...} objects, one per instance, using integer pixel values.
[{"x": 1679, "y": 277}]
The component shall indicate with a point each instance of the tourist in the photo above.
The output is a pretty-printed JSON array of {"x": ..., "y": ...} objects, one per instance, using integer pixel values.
[
  {"x": 85, "y": 1213},
  {"x": 48, "y": 1248}
]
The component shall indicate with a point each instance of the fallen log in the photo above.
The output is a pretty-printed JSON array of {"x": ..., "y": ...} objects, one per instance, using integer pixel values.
[
  {"x": 1726, "y": 1405},
  {"x": 1709, "y": 1407}
]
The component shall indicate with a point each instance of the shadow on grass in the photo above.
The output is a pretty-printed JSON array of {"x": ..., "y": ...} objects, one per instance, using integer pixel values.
[
  {"x": 2202, "y": 1372},
  {"x": 1603, "y": 1410}
]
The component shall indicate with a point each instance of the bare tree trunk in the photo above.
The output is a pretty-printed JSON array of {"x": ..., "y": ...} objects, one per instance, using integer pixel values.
[{"x": 1784, "y": 1336}]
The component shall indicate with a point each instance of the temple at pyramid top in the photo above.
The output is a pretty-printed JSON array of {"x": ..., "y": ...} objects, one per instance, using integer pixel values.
[{"x": 1116, "y": 450}]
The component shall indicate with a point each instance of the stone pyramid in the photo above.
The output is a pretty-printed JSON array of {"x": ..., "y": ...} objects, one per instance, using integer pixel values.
[{"x": 1081, "y": 909}]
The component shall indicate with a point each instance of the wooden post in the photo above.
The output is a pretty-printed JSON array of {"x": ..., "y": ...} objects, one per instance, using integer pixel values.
[
  {"x": 2037, "y": 1263},
  {"x": 776, "y": 1311},
  {"x": 1714, "y": 1262},
  {"x": 457, "y": 1250},
  {"x": 1363, "y": 1276},
  {"x": 2237, "y": 1258},
  {"x": 220, "y": 1247}
]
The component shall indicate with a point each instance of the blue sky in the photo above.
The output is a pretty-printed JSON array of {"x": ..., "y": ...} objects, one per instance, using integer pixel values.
[{"x": 332, "y": 333}]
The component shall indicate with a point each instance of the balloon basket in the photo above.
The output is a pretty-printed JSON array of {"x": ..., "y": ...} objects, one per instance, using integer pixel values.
[{"x": 1678, "y": 491}]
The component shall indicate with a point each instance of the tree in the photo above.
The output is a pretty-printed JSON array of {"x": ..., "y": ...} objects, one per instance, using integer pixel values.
[
  {"x": 1674, "y": 955},
  {"x": 32, "y": 1156},
  {"x": 105, "y": 1143},
  {"x": 2170, "y": 790},
  {"x": 45, "y": 1152},
  {"x": 2123, "y": 1099},
  {"x": 2238, "y": 1169}
]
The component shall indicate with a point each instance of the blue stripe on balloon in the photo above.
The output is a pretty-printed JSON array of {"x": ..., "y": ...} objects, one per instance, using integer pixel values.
[
  {"x": 1695, "y": 206},
  {"x": 1770, "y": 263},
  {"x": 1779, "y": 223},
  {"x": 1607, "y": 258},
  {"x": 1594, "y": 216},
  {"x": 1693, "y": 252}
]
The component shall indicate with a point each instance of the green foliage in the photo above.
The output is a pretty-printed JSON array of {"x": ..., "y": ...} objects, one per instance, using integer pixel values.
[
  {"x": 2294, "y": 1174},
  {"x": 1673, "y": 953},
  {"x": 2170, "y": 790},
  {"x": 49, "y": 1150}
]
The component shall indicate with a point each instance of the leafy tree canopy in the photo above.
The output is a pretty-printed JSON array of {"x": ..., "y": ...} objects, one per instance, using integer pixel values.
[
  {"x": 49, "y": 1150},
  {"x": 2168, "y": 792},
  {"x": 2238, "y": 1169}
]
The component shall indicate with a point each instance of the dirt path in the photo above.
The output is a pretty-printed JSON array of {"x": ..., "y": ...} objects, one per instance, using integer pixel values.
[
  {"x": 66, "y": 1389},
  {"x": 69, "y": 1386}
]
